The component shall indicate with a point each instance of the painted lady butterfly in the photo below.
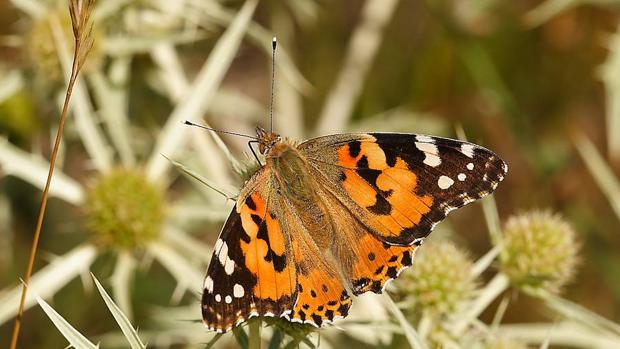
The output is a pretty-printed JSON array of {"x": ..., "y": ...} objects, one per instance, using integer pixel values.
[{"x": 335, "y": 216}]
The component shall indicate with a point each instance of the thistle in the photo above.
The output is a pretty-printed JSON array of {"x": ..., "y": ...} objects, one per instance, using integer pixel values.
[
  {"x": 441, "y": 280},
  {"x": 124, "y": 209},
  {"x": 540, "y": 251}
]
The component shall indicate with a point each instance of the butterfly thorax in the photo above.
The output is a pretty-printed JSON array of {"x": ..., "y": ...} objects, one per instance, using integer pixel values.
[
  {"x": 292, "y": 177},
  {"x": 290, "y": 170}
]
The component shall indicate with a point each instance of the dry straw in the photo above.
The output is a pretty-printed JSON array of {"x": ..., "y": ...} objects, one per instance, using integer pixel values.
[{"x": 80, "y": 12}]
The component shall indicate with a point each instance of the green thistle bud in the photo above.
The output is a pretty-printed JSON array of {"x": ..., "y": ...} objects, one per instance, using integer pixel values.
[
  {"x": 540, "y": 251},
  {"x": 124, "y": 210},
  {"x": 440, "y": 282}
]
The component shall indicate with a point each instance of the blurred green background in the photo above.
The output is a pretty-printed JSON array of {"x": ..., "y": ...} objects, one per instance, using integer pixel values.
[{"x": 528, "y": 79}]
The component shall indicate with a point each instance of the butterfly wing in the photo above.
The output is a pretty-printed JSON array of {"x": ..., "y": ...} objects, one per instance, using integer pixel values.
[
  {"x": 265, "y": 263},
  {"x": 388, "y": 191},
  {"x": 401, "y": 185},
  {"x": 321, "y": 292},
  {"x": 366, "y": 262},
  {"x": 250, "y": 273}
]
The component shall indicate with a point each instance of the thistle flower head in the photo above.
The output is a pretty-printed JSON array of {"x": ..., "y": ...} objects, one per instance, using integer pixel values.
[
  {"x": 540, "y": 251},
  {"x": 441, "y": 280},
  {"x": 124, "y": 209},
  {"x": 292, "y": 329}
]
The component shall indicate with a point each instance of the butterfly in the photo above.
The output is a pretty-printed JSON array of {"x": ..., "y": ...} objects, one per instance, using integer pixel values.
[{"x": 335, "y": 216}]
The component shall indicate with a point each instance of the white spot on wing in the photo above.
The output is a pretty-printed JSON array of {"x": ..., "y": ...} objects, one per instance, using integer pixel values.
[
  {"x": 218, "y": 298},
  {"x": 227, "y": 263},
  {"x": 229, "y": 266},
  {"x": 467, "y": 149},
  {"x": 238, "y": 291},
  {"x": 445, "y": 182},
  {"x": 425, "y": 139},
  {"x": 218, "y": 245},
  {"x": 223, "y": 253},
  {"x": 470, "y": 166},
  {"x": 431, "y": 153},
  {"x": 208, "y": 285},
  {"x": 228, "y": 299},
  {"x": 461, "y": 177}
]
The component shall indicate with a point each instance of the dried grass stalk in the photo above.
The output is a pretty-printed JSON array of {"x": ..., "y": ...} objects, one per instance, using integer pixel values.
[{"x": 80, "y": 11}]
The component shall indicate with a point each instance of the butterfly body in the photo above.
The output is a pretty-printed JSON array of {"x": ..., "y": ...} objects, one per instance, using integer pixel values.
[{"x": 335, "y": 216}]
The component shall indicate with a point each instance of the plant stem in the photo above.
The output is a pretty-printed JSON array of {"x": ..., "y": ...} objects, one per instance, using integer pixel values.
[
  {"x": 43, "y": 206},
  {"x": 494, "y": 288},
  {"x": 255, "y": 334},
  {"x": 414, "y": 339}
]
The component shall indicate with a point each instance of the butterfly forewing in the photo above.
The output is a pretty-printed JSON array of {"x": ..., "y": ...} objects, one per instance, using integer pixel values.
[
  {"x": 266, "y": 263},
  {"x": 401, "y": 185},
  {"x": 252, "y": 272}
]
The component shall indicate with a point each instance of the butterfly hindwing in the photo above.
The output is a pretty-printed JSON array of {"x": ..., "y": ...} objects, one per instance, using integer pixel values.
[
  {"x": 367, "y": 262},
  {"x": 378, "y": 263},
  {"x": 401, "y": 185},
  {"x": 322, "y": 296}
]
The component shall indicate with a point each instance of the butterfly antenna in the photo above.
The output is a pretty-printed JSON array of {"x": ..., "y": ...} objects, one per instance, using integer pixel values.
[
  {"x": 186, "y": 122},
  {"x": 274, "y": 43}
]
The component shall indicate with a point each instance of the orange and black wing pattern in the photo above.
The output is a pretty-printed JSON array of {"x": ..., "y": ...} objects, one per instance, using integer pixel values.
[
  {"x": 367, "y": 262},
  {"x": 337, "y": 215},
  {"x": 401, "y": 185},
  {"x": 393, "y": 190},
  {"x": 322, "y": 295},
  {"x": 251, "y": 272},
  {"x": 266, "y": 263}
]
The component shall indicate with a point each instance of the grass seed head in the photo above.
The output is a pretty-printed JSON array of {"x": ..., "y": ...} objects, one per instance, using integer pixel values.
[{"x": 42, "y": 48}]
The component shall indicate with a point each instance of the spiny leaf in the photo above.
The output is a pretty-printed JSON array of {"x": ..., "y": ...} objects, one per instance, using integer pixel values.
[
  {"x": 73, "y": 336},
  {"x": 128, "y": 330}
]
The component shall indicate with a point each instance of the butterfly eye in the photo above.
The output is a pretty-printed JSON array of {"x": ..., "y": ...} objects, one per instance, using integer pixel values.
[{"x": 275, "y": 140}]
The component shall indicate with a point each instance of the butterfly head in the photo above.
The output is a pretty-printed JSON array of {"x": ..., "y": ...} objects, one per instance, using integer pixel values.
[{"x": 266, "y": 140}]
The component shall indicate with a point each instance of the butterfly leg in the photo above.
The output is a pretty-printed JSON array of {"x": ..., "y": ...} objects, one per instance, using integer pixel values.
[{"x": 253, "y": 152}]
